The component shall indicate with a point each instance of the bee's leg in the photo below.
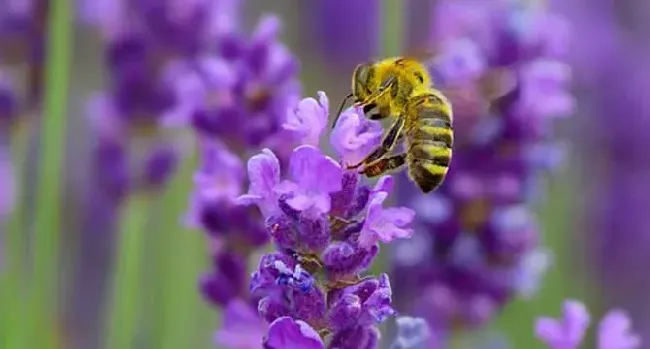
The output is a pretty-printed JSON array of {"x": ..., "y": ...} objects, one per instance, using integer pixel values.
[
  {"x": 387, "y": 144},
  {"x": 384, "y": 165}
]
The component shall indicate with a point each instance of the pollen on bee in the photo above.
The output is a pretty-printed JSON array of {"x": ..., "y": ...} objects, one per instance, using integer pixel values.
[{"x": 375, "y": 169}]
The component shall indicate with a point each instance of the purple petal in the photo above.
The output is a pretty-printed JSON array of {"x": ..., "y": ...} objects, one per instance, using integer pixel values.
[
  {"x": 461, "y": 61},
  {"x": 224, "y": 17},
  {"x": 384, "y": 184},
  {"x": 544, "y": 88},
  {"x": 614, "y": 332},
  {"x": 264, "y": 176},
  {"x": 548, "y": 330},
  {"x": 400, "y": 216},
  {"x": 566, "y": 332},
  {"x": 268, "y": 29},
  {"x": 384, "y": 225},
  {"x": 413, "y": 333},
  {"x": 242, "y": 327},
  {"x": 315, "y": 172},
  {"x": 7, "y": 184},
  {"x": 309, "y": 119},
  {"x": 287, "y": 333},
  {"x": 576, "y": 319},
  {"x": 301, "y": 202},
  {"x": 354, "y": 137},
  {"x": 221, "y": 172}
]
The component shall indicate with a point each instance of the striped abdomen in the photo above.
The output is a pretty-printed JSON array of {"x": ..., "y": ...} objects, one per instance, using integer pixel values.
[{"x": 429, "y": 140}]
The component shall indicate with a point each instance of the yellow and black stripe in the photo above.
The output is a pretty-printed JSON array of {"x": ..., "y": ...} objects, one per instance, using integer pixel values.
[{"x": 429, "y": 140}]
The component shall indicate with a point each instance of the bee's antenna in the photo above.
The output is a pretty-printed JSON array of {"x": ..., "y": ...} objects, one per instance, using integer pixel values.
[{"x": 343, "y": 103}]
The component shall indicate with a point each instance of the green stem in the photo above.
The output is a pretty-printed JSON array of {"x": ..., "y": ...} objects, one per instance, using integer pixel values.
[
  {"x": 12, "y": 281},
  {"x": 182, "y": 258},
  {"x": 47, "y": 222},
  {"x": 122, "y": 308},
  {"x": 392, "y": 24}
]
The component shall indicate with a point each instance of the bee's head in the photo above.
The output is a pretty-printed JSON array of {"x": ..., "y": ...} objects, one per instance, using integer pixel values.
[{"x": 361, "y": 81}]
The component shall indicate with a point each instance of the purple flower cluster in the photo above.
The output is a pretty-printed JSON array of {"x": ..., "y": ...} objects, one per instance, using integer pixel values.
[
  {"x": 614, "y": 330},
  {"x": 22, "y": 38},
  {"x": 142, "y": 40},
  {"x": 345, "y": 32},
  {"x": 234, "y": 232},
  {"x": 325, "y": 226},
  {"x": 240, "y": 91},
  {"x": 237, "y": 93},
  {"x": 9, "y": 106},
  {"x": 477, "y": 244}
]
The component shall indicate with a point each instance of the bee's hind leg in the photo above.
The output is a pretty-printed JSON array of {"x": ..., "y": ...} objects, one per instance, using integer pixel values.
[
  {"x": 387, "y": 144},
  {"x": 385, "y": 165}
]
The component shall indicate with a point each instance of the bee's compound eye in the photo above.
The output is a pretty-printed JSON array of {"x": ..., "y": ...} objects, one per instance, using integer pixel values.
[{"x": 419, "y": 76}]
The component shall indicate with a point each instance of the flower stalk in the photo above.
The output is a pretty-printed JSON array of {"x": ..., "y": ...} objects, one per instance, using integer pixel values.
[{"x": 44, "y": 296}]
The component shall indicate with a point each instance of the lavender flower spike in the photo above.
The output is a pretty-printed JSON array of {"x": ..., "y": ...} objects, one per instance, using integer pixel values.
[
  {"x": 326, "y": 226},
  {"x": 568, "y": 332}
]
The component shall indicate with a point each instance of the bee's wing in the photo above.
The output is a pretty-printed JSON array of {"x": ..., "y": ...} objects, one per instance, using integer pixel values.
[
  {"x": 496, "y": 83},
  {"x": 480, "y": 93},
  {"x": 422, "y": 53}
]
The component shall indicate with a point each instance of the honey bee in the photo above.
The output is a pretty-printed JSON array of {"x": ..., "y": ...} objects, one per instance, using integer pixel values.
[{"x": 402, "y": 87}]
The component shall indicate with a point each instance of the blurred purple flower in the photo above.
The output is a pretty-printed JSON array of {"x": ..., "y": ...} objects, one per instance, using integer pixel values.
[
  {"x": 317, "y": 226},
  {"x": 346, "y": 32},
  {"x": 144, "y": 41},
  {"x": 7, "y": 184},
  {"x": 8, "y": 116},
  {"x": 476, "y": 244},
  {"x": 611, "y": 74},
  {"x": 22, "y": 38},
  {"x": 412, "y": 333},
  {"x": 221, "y": 173},
  {"x": 544, "y": 88},
  {"x": 252, "y": 79},
  {"x": 567, "y": 332},
  {"x": 234, "y": 91},
  {"x": 9, "y": 105}
]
